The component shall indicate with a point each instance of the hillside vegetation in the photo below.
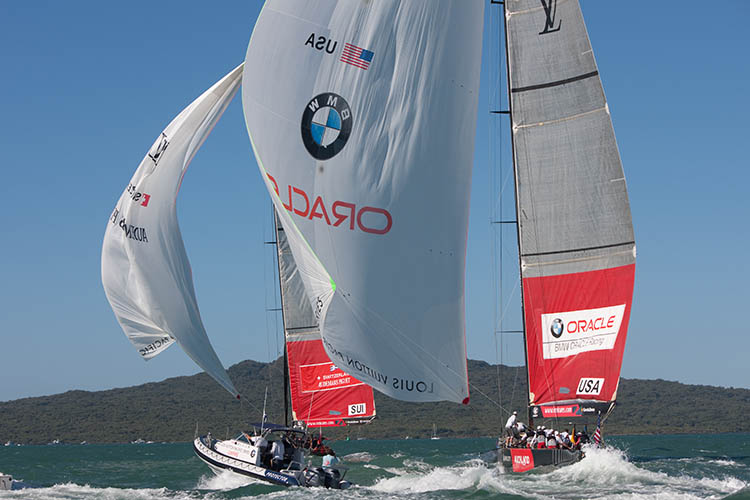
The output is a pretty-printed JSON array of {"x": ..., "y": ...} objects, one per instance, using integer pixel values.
[{"x": 170, "y": 410}]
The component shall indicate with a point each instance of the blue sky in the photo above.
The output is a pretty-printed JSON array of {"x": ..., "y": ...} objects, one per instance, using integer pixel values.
[{"x": 86, "y": 87}]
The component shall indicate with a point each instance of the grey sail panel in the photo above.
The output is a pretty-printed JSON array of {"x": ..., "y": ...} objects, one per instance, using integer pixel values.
[
  {"x": 299, "y": 320},
  {"x": 574, "y": 214}
]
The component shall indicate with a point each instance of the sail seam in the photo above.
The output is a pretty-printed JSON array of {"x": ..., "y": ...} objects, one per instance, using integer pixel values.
[
  {"x": 555, "y": 83},
  {"x": 571, "y": 261},
  {"x": 560, "y": 120}
]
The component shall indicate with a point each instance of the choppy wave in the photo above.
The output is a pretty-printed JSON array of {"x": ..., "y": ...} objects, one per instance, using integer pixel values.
[
  {"x": 360, "y": 457},
  {"x": 225, "y": 481},
  {"x": 71, "y": 491},
  {"x": 604, "y": 473},
  {"x": 388, "y": 470}
]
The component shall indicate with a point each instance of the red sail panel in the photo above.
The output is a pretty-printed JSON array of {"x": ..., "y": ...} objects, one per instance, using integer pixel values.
[
  {"x": 322, "y": 394},
  {"x": 576, "y": 326}
]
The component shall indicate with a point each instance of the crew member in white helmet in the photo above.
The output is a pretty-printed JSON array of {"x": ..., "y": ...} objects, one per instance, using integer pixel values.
[{"x": 509, "y": 428}]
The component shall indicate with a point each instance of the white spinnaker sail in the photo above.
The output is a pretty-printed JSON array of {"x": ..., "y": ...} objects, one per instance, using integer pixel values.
[
  {"x": 145, "y": 269},
  {"x": 363, "y": 123}
]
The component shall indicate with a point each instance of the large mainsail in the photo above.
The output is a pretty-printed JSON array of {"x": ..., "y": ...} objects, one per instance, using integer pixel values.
[
  {"x": 323, "y": 395},
  {"x": 362, "y": 117},
  {"x": 145, "y": 269},
  {"x": 576, "y": 240}
]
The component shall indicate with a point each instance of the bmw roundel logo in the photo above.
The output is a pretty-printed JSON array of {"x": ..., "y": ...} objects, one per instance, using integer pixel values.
[
  {"x": 326, "y": 125},
  {"x": 557, "y": 328}
]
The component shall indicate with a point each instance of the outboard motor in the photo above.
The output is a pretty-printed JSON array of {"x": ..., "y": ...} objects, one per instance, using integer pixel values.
[
  {"x": 315, "y": 476},
  {"x": 332, "y": 478}
]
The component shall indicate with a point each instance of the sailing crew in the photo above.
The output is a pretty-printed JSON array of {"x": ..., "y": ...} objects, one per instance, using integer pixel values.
[
  {"x": 537, "y": 440},
  {"x": 509, "y": 428},
  {"x": 520, "y": 428},
  {"x": 330, "y": 459},
  {"x": 567, "y": 443},
  {"x": 277, "y": 454},
  {"x": 551, "y": 441}
]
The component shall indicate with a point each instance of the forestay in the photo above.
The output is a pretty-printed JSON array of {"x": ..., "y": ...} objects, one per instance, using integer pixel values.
[
  {"x": 362, "y": 121},
  {"x": 576, "y": 235},
  {"x": 145, "y": 269}
]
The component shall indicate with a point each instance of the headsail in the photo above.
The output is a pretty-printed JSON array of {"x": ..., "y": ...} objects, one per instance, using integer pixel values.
[
  {"x": 363, "y": 122},
  {"x": 575, "y": 230},
  {"x": 145, "y": 269},
  {"x": 323, "y": 395}
]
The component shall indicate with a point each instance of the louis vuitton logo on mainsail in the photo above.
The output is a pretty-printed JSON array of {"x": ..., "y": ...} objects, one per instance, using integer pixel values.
[{"x": 550, "y": 9}]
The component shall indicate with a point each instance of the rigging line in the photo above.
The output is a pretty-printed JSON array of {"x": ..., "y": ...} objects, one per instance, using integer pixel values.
[
  {"x": 474, "y": 387},
  {"x": 266, "y": 302},
  {"x": 249, "y": 404},
  {"x": 493, "y": 165},
  {"x": 309, "y": 410},
  {"x": 515, "y": 381}
]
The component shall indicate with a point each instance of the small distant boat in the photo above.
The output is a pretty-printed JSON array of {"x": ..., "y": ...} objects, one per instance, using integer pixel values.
[
  {"x": 434, "y": 432},
  {"x": 54, "y": 441},
  {"x": 138, "y": 441},
  {"x": 10, "y": 443}
]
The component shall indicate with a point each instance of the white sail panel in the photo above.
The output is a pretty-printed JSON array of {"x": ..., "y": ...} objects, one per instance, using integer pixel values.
[
  {"x": 363, "y": 123},
  {"x": 145, "y": 269}
]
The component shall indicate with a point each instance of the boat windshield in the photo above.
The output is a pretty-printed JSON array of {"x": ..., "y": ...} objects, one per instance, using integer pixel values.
[{"x": 244, "y": 438}]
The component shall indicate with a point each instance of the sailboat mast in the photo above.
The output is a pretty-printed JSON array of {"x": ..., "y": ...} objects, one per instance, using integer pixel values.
[
  {"x": 283, "y": 321},
  {"x": 518, "y": 208}
]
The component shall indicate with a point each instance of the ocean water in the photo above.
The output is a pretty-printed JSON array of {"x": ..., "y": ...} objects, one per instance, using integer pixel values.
[{"x": 632, "y": 467}]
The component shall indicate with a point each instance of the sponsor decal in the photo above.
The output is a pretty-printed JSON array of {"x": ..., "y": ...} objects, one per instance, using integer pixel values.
[
  {"x": 522, "y": 459},
  {"x": 321, "y": 43},
  {"x": 155, "y": 346},
  {"x": 357, "y": 409},
  {"x": 557, "y": 328},
  {"x": 133, "y": 232},
  {"x": 277, "y": 477},
  {"x": 326, "y": 125},
  {"x": 573, "y": 332},
  {"x": 397, "y": 383},
  {"x": 343, "y": 214},
  {"x": 324, "y": 377},
  {"x": 357, "y": 56},
  {"x": 561, "y": 411},
  {"x": 137, "y": 197},
  {"x": 590, "y": 386},
  {"x": 318, "y": 307},
  {"x": 550, "y": 10},
  {"x": 157, "y": 150}
]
